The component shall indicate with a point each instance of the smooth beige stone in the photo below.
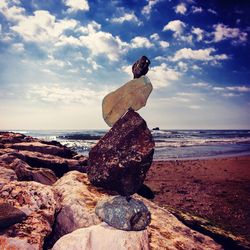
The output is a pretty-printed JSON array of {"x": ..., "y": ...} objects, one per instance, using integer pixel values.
[
  {"x": 103, "y": 237},
  {"x": 133, "y": 94}
]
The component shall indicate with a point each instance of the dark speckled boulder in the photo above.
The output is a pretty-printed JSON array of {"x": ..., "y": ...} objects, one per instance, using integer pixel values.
[
  {"x": 128, "y": 215},
  {"x": 123, "y": 156},
  {"x": 10, "y": 215}
]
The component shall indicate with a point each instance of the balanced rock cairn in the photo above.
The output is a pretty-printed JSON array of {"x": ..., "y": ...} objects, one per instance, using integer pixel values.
[{"x": 121, "y": 159}]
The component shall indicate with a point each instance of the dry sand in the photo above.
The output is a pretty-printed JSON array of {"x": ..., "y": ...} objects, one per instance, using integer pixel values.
[{"x": 217, "y": 189}]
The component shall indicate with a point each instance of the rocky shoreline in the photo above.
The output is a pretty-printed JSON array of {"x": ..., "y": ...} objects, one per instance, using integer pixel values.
[{"x": 51, "y": 204}]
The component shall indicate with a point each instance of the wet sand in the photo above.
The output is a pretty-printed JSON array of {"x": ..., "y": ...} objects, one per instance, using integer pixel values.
[{"x": 217, "y": 189}]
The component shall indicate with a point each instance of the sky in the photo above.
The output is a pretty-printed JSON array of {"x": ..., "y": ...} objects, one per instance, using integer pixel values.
[{"x": 59, "y": 58}]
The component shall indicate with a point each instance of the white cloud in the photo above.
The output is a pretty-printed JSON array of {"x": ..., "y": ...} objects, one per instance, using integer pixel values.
[
  {"x": 147, "y": 9},
  {"x": 99, "y": 42},
  {"x": 55, "y": 62},
  {"x": 140, "y": 42},
  {"x": 89, "y": 28},
  {"x": 212, "y": 11},
  {"x": 181, "y": 9},
  {"x": 200, "y": 54},
  {"x": 162, "y": 75},
  {"x": 155, "y": 37},
  {"x": 182, "y": 66},
  {"x": 198, "y": 32},
  {"x": 218, "y": 88},
  {"x": 127, "y": 69},
  {"x": 161, "y": 58},
  {"x": 231, "y": 91},
  {"x": 188, "y": 38},
  {"x": 194, "y": 106},
  {"x": 230, "y": 94},
  {"x": 17, "y": 47},
  {"x": 42, "y": 27},
  {"x": 176, "y": 26},
  {"x": 13, "y": 13},
  {"x": 8, "y": 3},
  {"x": 164, "y": 44},
  {"x": 239, "y": 88},
  {"x": 223, "y": 32},
  {"x": 200, "y": 84},
  {"x": 68, "y": 40},
  {"x": 3, "y": 4},
  {"x": 187, "y": 99},
  {"x": 187, "y": 94},
  {"x": 196, "y": 9},
  {"x": 56, "y": 93},
  {"x": 77, "y": 5},
  {"x": 127, "y": 17},
  {"x": 93, "y": 63},
  {"x": 195, "y": 67}
]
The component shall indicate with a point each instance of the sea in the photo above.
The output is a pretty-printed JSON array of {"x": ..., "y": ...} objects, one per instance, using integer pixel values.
[{"x": 169, "y": 144}]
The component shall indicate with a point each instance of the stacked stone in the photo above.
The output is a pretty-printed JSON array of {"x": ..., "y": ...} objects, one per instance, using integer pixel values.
[{"x": 121, "y": 159}]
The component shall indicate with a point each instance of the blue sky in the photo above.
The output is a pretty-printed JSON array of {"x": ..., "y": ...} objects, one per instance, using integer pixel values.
[{"x": 59, "y": 58}]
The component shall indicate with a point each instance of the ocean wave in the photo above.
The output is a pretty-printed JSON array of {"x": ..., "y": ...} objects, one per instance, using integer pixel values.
[{"x": 200, "y": 142}]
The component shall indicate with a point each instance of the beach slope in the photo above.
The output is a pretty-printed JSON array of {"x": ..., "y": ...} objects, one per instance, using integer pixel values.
[{"x": 217, "y": 189}]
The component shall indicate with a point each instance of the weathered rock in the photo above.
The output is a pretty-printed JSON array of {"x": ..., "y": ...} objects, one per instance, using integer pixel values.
[
  {"x": 125, "y": 214},
  {"x": 140, "y": 67},
  {"x": 26, "y": 173},
  {"x": 223, "y": 237},
  {"x": 133, "y": 94},
  {"x": 6, "y": 175},
  {"x": 43, "y": 148},
  {"x": 165, "y": 230},
  {"x": 121, "y": 159},
  {"x": 38, "y": 202},
  {"x": 44, "y": 160},
  {"x": 57, "y": 164},
  {"x": 10, "y": 137},
  {"x": 28, "y": 143},
  {"x": 10, "y": 215},
  {"x": 103, "y": 237},
  {"x": 83, "y": 160},
  {"x": 77, "y": 204}
]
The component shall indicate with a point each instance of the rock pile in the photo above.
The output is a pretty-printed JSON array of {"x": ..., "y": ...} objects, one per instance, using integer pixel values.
[
  {"x": 121, "y": 159},
  {"x": 40, "y": 215}
]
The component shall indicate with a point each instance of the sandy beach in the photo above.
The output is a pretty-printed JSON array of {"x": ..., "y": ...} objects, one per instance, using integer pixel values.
[{"x": 217, "y": 189}]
